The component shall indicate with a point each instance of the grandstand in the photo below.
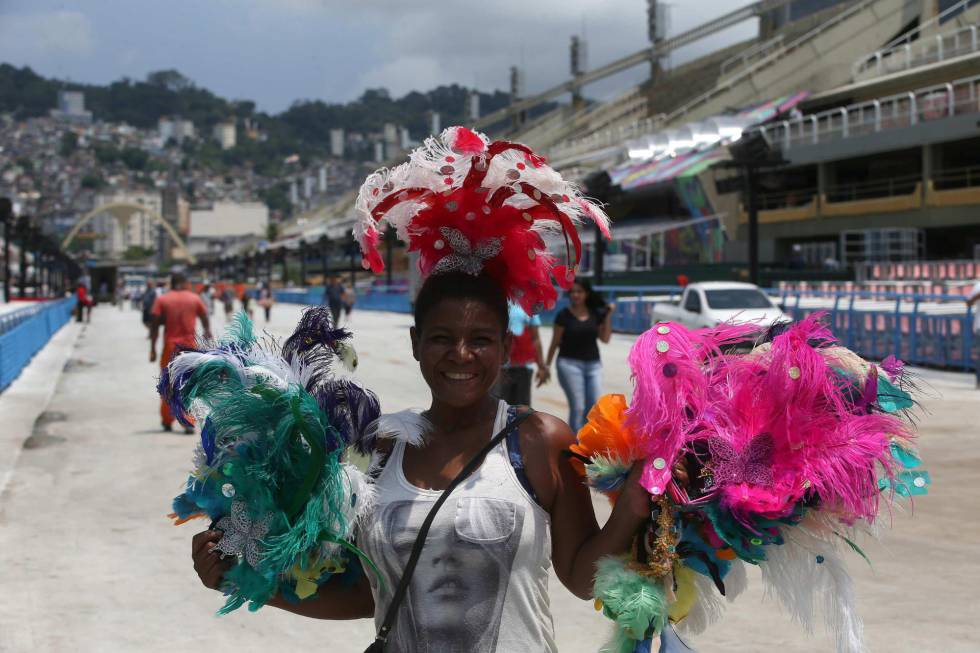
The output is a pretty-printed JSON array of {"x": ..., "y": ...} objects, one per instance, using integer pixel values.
[{"x": 873, "y": 103}]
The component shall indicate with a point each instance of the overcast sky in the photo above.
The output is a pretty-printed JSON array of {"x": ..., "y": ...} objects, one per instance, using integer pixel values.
[{"x": 278, "y": 51}]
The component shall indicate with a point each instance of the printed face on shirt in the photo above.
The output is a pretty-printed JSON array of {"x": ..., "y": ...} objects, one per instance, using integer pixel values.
[
  {"x": 460, "y": 348},
  {"x": 456, "y": 595}
]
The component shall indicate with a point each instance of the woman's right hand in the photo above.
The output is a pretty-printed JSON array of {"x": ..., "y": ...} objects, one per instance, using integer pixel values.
[{"x": 208, "y": 564}]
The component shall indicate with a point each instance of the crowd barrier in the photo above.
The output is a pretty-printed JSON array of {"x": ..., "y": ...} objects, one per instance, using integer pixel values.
[
  {"x": 921, "y": 329},
  {"x": 25, "y": 331},
  {"x": 378, "y": 298}
]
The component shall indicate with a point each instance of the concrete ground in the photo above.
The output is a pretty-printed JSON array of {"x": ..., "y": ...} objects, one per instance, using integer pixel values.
[{"x": 88, "y": 562}]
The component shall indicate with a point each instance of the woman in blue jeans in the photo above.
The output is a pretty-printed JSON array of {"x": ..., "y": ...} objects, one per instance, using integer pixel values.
[{"x": 578, "y": 328}]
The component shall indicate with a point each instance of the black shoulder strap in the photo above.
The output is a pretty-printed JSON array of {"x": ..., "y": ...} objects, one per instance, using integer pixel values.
[{"x": 413, "y": 558}]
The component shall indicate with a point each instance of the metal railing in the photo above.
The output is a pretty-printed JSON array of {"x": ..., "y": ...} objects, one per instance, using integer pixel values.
[
  {"x": 953, "y": 178},
  {"x": 892, "y": 112},
  {"x": 24, "y": 332},
  {"x": 891, "y": 187},
  {"x": 908, "y": 55},
  {"x": 789, "y": 199},
  {"x": 952, "y": 270}
]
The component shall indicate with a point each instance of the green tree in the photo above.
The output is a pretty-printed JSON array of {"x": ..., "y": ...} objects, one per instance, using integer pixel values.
[
  {"x": 170, "y": 79},
  {"x": 272, "y": 231},
  {"x": 134, "y": 158},
  {"x": 136, "y": 253},
  {"x": 69, "y": 143},
  {"x": 106, "y": 154},
  {"x": 93, "y": 181}
]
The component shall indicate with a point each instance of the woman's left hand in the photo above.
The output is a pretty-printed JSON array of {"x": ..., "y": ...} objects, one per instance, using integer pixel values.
[
  {"x": 633, "y": 502},
  {"x": 542, "y": 376}
]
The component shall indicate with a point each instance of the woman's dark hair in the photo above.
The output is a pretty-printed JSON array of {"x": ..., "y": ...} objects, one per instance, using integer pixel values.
[
  {"x": 593, "y": 300},
  {"x": 460, "y": 285}
]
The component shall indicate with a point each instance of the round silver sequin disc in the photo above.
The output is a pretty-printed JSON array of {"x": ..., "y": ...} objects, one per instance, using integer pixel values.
[
  {"x": 794, "y": 373},
  {"x": 228, "y": 490},
  {"x": 663, "y": 346},
  {"x": 439, "y": 244},
  {"x": 919, "y": 482},
  {"x": 663, "y": 329},
  {"x": 659, "y": 463}
]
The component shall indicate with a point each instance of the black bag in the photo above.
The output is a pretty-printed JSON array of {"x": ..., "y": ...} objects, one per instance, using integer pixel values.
[{"x": 378, "y": 646}]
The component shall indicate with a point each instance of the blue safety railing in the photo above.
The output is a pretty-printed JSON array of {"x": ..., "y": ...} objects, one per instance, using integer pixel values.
[
  {"x": 377, "y": 298},
  {"x": 25, "y": 331},
  {"x": 907, "y": 326}
]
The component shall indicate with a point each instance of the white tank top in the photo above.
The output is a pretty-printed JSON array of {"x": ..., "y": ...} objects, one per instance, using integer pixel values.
[{"x": 481, "y": 583}]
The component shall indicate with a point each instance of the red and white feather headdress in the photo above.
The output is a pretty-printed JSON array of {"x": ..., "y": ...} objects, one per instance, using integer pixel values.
[{"x": 470, "y": 205}]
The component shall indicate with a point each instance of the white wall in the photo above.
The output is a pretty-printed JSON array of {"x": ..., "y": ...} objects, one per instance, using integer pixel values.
[{"x": 230, "y": 219}]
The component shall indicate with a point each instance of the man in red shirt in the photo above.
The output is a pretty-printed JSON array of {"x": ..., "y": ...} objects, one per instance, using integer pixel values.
[{"x": 177, "y": 311}]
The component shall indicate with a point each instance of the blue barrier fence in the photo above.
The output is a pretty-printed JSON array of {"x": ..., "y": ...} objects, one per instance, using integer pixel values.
[
  {"x": 25, "y": 331},
  {"x": 934, "y": 330},
  {"x": 379, "y": 298}
]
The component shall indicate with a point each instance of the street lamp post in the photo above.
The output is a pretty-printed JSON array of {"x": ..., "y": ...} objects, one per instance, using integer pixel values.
[
  {"x": 6, "y": 217},
  {"x": 389, "y": 254},
  {"x": 302, "y": 263},
  {"x": 23, "y": 233},
  {"x": 751, "y": 155},
  {"x": 38, "y": 263},
  {"x": 324, "y": 245},
  {"x": 352, "y": 250}
]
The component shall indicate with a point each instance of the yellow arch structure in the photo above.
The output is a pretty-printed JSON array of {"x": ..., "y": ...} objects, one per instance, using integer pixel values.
[{"x": 123, "y": 211}]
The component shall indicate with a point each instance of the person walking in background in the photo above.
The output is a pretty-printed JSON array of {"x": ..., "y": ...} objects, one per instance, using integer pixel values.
[
  {"x": 348, "y": 298},
  {"x": 228, "y": 301},
  {"x": 514, "y": 384},
  {"x": 207, "y": 296},
  {"x": 84, "y": 303},
  {"x": 971, "y": 302},
  {"x": 577, "y": 330},
  {"x": 333, "y": 297},
  {"x": 266, "y": 300},
  {"x": 177, "y": 312},
  {"x": 246, "y": 298},
  {"x": 149, "y": 297}
]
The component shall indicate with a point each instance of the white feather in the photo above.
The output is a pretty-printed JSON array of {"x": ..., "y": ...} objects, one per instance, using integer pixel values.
[
  {"x": 794, "y": 577},
  {"x": 707, "y": 609},
  {"x": 408, "y": 426}
]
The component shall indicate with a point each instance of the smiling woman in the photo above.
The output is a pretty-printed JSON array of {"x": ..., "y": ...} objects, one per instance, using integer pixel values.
[{"x": 475, "y": 210}]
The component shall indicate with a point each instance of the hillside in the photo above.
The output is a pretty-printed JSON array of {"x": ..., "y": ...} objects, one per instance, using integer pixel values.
[{"x": 306, "y": 124}]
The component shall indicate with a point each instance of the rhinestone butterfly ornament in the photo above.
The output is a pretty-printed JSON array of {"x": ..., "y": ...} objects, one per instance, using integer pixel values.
[
  {"x": 465, "y": 257},
  {"x": 243, "y": 535},
  {"x": 752, "y": 465}
]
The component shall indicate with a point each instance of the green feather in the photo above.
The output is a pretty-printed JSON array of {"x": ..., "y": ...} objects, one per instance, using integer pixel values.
[
  {"x": 239, "y": 331},
  {"x": 892, "y": 399},
  {"x": 637, "y": 604},
  {"x": 245, "y": 585}
]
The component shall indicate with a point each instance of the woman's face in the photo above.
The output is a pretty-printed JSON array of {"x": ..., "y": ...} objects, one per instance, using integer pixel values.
[
  {"x": 460, "y": 348},
  {"x": 577, "y": 295}
]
